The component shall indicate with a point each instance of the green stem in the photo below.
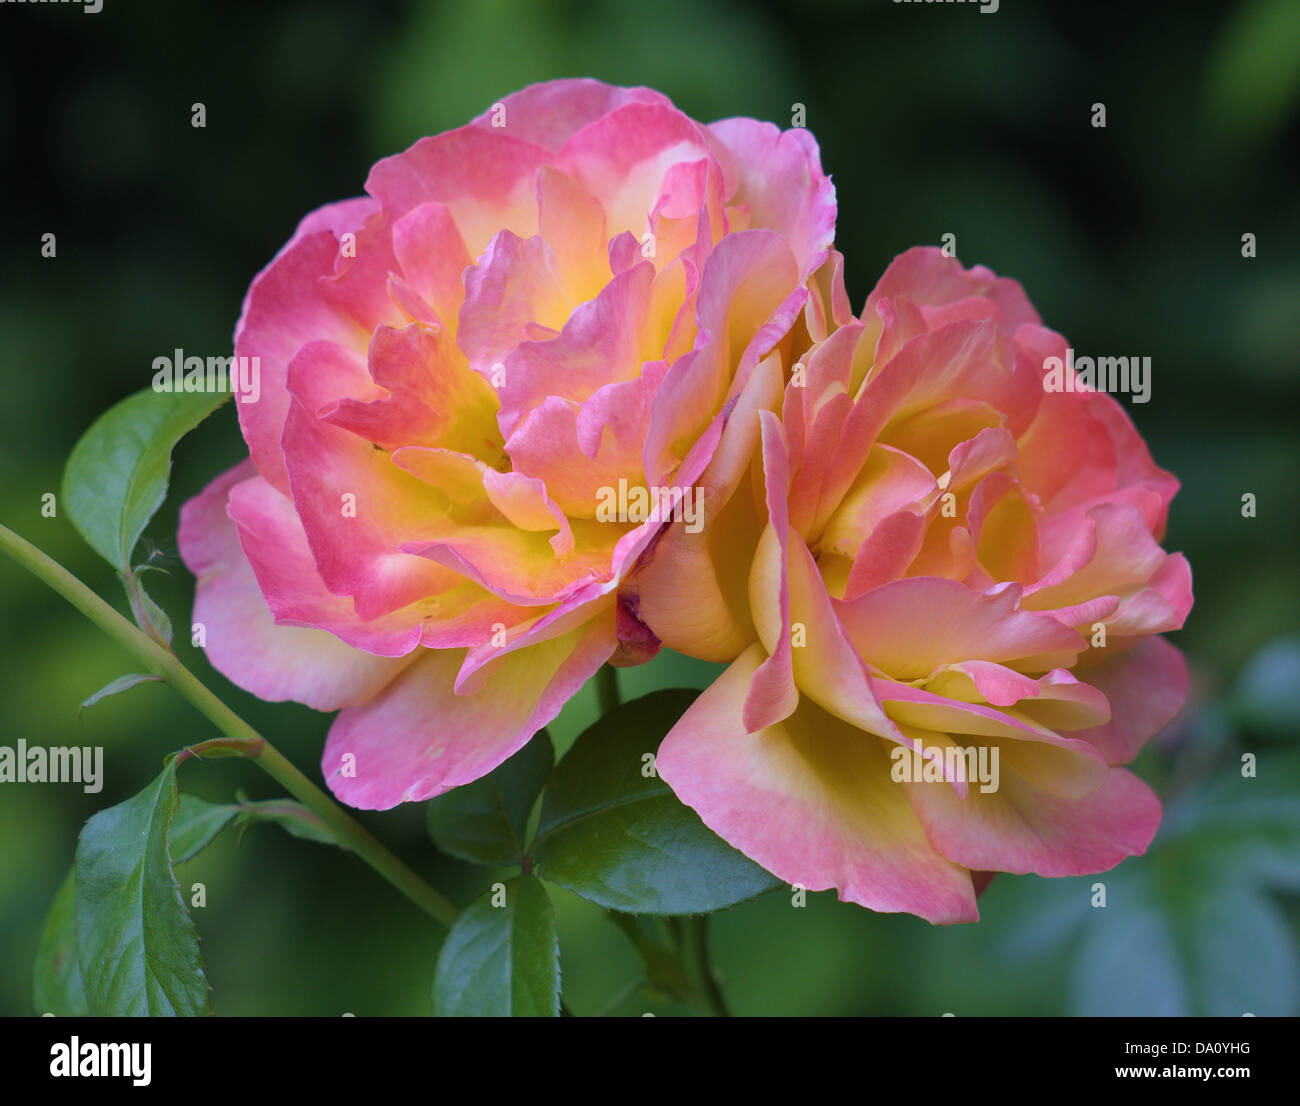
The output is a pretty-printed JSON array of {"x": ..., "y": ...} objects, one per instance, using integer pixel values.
[
  {"x": 694, "y": 937},
  {"x": 677, "y": 964},
  {"x": 163, "y": 663},
  {"x": 607, "y": 688},
  {"x": 664, "y": 973}
]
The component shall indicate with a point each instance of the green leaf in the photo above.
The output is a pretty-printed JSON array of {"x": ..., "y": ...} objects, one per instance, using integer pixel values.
[
  {"x": 1128, "y": 963},
  {"x": 1179, "y": 943},
  {"x": 1189, "y": 929},
  {"x": 56, "y": 984},
  {"x": 116, "y": 477},
  {"x": 1267, "y": 692},
  {"x": 1226, "y": 982},
  {"x": 621, "y": 838},
  {"x": 484, "y": 822},
  {"x": 294, "y": 818},
  {"x": 133, "y": 904},
  {"x": 138, "y": 951},
  {"x": 1253, "y": 76},
  {"x": 1243, "y": 828},
  {"x": 196, "y": 825},
  {"x": 501, "y": 960},
  {"x": 113, "y": 687},
  {"x": 150, "y": 617}
]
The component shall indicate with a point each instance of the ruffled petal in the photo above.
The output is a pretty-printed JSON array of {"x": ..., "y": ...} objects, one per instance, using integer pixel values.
[
  {"x": 420, "y": 738},
  {"x": 810, "y": 799},
  {"x": 241, "y": 638}
]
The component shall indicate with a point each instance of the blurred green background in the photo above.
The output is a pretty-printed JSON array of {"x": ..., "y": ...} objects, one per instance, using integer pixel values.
[{"x": 933, "y": 119}]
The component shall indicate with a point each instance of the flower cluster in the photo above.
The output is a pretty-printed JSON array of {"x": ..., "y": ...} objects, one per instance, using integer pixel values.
[{"x": 897, "y": 538}]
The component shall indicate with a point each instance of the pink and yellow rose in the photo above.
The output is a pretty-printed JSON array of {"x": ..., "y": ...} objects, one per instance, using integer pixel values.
[
  {"x": 911, "y": 547},
  {"x": 574, "y": 290},
  {"x": 926, "y": 549}
]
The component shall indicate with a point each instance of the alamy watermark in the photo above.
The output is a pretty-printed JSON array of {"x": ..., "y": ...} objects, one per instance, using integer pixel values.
[
  {"x": 659, "y": 504},
  {"x": 1102, "y": 374},
  {"x": 240, "y": 375},
  {"x": 90, "y": 7},
  {"x": 940, "y": 764},
  {"x": 89, "y": 1059},
  {"x": 987, "y": 7},
  {"x": 59, "y": 764}
]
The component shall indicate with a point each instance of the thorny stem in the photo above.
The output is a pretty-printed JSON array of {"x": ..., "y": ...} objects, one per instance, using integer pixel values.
[{"x": 163, "y": 663}]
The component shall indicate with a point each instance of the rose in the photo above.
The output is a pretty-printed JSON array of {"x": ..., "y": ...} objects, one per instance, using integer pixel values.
[
  {"x": 940, "y": 554},
  {"x": 572, "y": 291}
]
